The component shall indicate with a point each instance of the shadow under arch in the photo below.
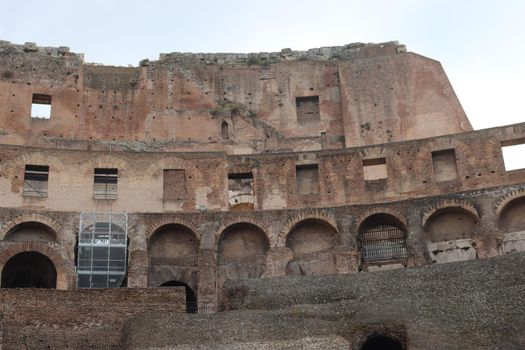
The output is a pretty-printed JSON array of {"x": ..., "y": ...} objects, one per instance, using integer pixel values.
[
  {"x": 511, "y": 218},
  {"x": 312, "y": 242},
  {"x": 173, "y": 251},
  {"x": 382, "y": 342},
  {"x": 241, "y": 253},
  {"x": 29, "y": 270},
  {"x": 191, "y": 298},
  {"x": 31, "y": 231}
]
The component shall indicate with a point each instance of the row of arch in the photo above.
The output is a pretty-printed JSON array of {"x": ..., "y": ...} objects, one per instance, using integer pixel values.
[{"x": 243, "y": 246}]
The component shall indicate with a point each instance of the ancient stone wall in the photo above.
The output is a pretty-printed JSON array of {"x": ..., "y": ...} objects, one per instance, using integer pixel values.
[
  {"x": 281, "y": 180},
  {"x": 81, "y": 319},
  {"x": 359, "y": 94},
  {"x": 465, "y": 305}
]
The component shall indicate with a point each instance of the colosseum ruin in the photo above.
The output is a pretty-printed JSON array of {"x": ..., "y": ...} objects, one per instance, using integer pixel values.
[{"x": 335, "y": 198}]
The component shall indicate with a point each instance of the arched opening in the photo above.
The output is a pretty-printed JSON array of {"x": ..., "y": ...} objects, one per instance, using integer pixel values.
[
  {"x": 191, "y": 298},
  {"x": 511, "y": 218},
  {"x": 312, "y": 242},
  {"x": 381, "y": 342},
  {"x": 29, "y": 270},
  {"x": 31, "y": 231},
  {"x": 241, "y": 253},
  {"x": 448, "y": 233},
  {"x": 381, "y": 238},
  {"x": 173, "y": 251},
  {"x": 512, "y": 223},
  {"x": 225, "y": 131},
  {"x": 449, "y": 224}
]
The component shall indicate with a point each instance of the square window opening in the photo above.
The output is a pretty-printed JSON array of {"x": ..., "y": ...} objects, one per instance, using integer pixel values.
[
  {"x": 307, "y": 177},
  {"x": 105, "y": 183},
  {"x": 35, "y": 180},
  {"x": 513, "y": 155},
  {"x": 307, "y": 108},
  {"x": 240, "y": 191},
  {"x": 444, "y": 164},
  {"x": 41, "y": 106},
  {"x": 374, "y": 169}
]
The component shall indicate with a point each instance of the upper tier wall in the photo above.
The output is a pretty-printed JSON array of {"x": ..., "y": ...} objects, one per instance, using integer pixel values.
[
  {"x": 185, "y": 182},
  {"x": 323, "y": 98}
]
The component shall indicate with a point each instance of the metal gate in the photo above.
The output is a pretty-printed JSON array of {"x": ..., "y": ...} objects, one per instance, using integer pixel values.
[{"x": 382, "y": 242}]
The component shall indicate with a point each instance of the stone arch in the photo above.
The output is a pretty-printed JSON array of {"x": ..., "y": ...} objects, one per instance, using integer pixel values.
[
  {"x": 382, "y": 237},
  {"x": 173, "y": 255},
  {"x": 449, "y": 223},
  {"x": 168, "y": 220},
  {"x": 509, "y": 211},
  {"x": 510, "y": 214},
  {"x": 448, "y": 232},
  {"x": 65, "y": 278},
  {"x": 464, "y": 205},
  {"x": 156, "y": 168},
  {"x": 312, "y": 242},
  {"x": 105, "y": 161},
  {"x": 31, "y": 231},
  {"x": 242, "y": 250},
  {"x": 29, "y": 270},
  {"x": 30, "y": 217},
  {"x": 382, "y": 210},
  {"x": 231, "y": 221},
  {"x": 322, "y": 216},
  {"x": 16, "y": 166},
  {"x": 191, "y": 295}
]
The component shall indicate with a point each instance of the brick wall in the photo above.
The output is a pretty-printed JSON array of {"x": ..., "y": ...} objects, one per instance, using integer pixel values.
[{"x": 80, "y": 319}]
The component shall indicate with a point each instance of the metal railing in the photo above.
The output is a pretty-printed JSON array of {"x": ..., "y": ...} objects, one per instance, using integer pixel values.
[{"x": 382, "y": 242}]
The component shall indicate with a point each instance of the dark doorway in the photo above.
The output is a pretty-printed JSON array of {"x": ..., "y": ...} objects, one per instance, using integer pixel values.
[
  {"x": 191, "y": 299},
  {"x": 380, "y": 342},
  {"x": 29, "y": 270}
]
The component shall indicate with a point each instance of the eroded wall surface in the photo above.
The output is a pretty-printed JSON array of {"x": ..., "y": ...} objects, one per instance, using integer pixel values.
[
  {"x": 445, "y": 306},
  {"x": 321, "y": 99},
  {"x": 82, "y": 319}
]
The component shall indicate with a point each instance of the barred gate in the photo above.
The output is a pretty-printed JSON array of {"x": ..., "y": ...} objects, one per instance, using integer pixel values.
[{"x": 382, "y": 242}]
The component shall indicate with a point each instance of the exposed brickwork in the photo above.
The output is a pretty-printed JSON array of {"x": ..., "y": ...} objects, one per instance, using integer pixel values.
[
  {"x": 229, "y": 166},
  {"x": 81, "y": 319}
]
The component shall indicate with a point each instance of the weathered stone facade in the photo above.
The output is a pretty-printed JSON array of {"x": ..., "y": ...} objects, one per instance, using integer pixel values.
[{"x": 332, "y": 161}]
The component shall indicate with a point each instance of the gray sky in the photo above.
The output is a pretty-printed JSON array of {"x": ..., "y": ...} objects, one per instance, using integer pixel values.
[{"x": 479, "y": 43}]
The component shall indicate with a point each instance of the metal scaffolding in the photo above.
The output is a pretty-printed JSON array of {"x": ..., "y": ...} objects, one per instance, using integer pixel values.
[{"x": 102, "y": 250}]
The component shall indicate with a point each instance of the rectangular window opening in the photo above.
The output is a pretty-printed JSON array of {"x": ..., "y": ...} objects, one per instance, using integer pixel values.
[
  {"x": 35, "y": 180},
  {"x": 307, "y": 177},
  {"x": 240, "y": 191},
  {"x": 374, "y": 169},
  {"x": 444, "y": 164},
  {"x": 105, "y": 183},
  {"x": 174, "y": 184},
  {"x": 513, "y": 156},
  {"x": 41, "y": 106},
  {"x": 307, "y": 108}
]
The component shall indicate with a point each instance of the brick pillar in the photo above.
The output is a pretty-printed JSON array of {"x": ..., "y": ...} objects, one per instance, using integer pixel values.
[
  {"x": 207, "y": 277},
  {"x": 138, "y": 259},
  {"x": 276, "y": 261},
  {"x": 487, "y": 240},
  {"x": 416, "y": 246}
]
